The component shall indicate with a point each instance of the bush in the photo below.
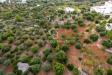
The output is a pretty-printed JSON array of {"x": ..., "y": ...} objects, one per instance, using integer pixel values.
[
  {"x": 47, "y": 52},
  {"x": 107, "y": 43},
  {"x": 34, "y": 48},
  {"x": 24, "y": 58},
  {"x": 40, "y": 43},
  {"x": 65, "y": 47},
  {"x": 28, "y": 42},
  {"x": 7, "y": 62},
  {"x": 70, "y": 67},
  {"x": 103, "y": 33},
  {"x": 1, "y": 46},
  {"x": 94, "y": 37},
  {"x": 18, "y": 18},
  {"x": 109, "y": 71},
  {"x": 21, "y": 47},
  {"x": 61, "y": 57},
  {"x": 109, "y": 60},
  {"x": 35, "y": 60},
  {"x": 47, "y": 67},
  {"x": 110, "y": 21},
  {"x": 74, "y": 26},
  {"x": 75, "y": 71},
  {"x": 99, "y": 72},
  {"x": 87, "y": 41},
  {"x": 109, "y": 34},
  {"x": 54, "y": 43},
  {"x": 7, "y": 15},
  {"x": 58, "y": 68},
  {"x": 81, "y": 23},
  {"x": 6, "y": 48},
  {"x": 71, "y": 42},
  {"x": 50, "y": 57},
  {"x": 10, "y": 39},
  {"x": 78, "y": 45},
  {"x": 35, "y": 68}
]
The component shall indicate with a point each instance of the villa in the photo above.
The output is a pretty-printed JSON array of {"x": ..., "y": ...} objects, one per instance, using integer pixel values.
[{"x": 105, "y": 9}]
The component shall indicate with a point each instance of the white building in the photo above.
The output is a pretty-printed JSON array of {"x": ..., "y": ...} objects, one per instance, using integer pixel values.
[
  {"x": 22, "y": 1},
  {"x": 105, "y": 9},
  {"x": 109, "y": 26},
  {"x": 23, "y": 66},
  {"x": 68, "y": 10}
]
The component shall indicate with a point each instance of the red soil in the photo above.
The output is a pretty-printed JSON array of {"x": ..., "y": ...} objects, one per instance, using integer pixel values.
[
  {"x": 73, "y": 55},
  {"x": 9, "y": 69},
  {"x": 98, "y": 52}
]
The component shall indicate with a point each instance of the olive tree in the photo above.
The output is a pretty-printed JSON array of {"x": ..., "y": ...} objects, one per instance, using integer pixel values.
[{"x": 58, "y": 68}]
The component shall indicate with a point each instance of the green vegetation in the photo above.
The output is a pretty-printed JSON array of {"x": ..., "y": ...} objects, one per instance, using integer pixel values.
[
  {"x": 107, "y": 43},
  {"x": 41, "y": 34},
  {"x": 94, "y": 37},
  {"x": 109, "y": 72},
  {"x": 109, "y": 60},
  {"x": 58, "y": 68}
]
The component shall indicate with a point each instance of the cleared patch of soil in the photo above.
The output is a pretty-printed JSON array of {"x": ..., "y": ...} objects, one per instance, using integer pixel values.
[{"x": 73, "y": 55}]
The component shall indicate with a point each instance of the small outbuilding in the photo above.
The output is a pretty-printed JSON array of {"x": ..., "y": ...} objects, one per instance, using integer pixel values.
[
  {"x": 108, "y": 26},
  {"x": 69, "y": 10},
  {"x": 23, "y": 66}
]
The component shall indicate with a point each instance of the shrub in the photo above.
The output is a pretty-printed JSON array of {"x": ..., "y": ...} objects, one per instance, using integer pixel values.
[
  {"x": 47, "y": 67},
  {"x": 109, "y": 60},
  {"x": 71, "y": 41},
  {"x": 94, "y": 37},
  {"x": 23, "y": 58},
  {"x": 65, "y": 47},
  {"x": 99, "y": 72},
  {"x": 58, "y": 68},
  {"x": 54, "y": 43},
  {"x": 50, "y": 57},
  {"x": 18, "y": 18},
  {"x": 70, "y": 67},
  {"x": 7, "y": 62},
  {"x": 34, "y": 48},
  {"x": 78, "y": 45},
  {"x": 75, "y": 71},
  {"x": 87, "y": 41},
  {"x": 7, "y": 15},
  {"x": 61, "y": 57},
  {"x": 109, "y": 34},
  {"x": 35, "y": 60},
  {"x": 28, "y": 42},
  {"x": 47, "y": 52},
  {"x": 81, "y": 23},
  {"x": 1, "y": 46},
  {"x": 110, "y": 21},
  {"x": 40, "y": 43},
  {"x": 109, "y": 71},
  {"x": 74, "y": 26},
  {"x": 21, "y": 47},
  {"x": 103, "y": 33},
  {"x": 6, "y": 48},
  {"x": 35, "y": 68},
  {"x": 10, "y": 39},
  {"x": 107, "y": 43}
]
